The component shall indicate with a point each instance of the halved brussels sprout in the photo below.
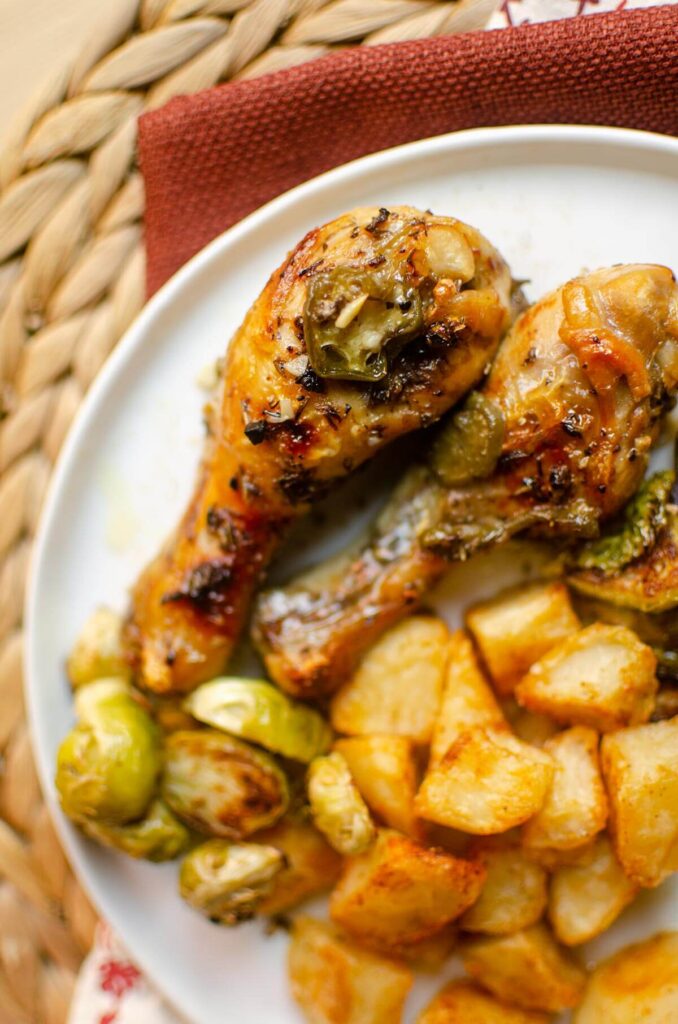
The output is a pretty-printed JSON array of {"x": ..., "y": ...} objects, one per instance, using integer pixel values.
[
  {"x": 469, "y": 445},
  {"x": 98, "y": 651},
  {"x": 338, "y": 809},
  {"x": 157, "y": 836},
  {"x": 645, "y": 517},
  {"x": 257, "y": 711},
  {"x": 89, "y": 698},
  {"x": 221, "y": 786},
  {"x": 226, "y": 881},
  {"x": 108, "y": 765}
]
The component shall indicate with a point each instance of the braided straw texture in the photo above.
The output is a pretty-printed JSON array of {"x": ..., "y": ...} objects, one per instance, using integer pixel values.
[{"x": 71, "y": 281}]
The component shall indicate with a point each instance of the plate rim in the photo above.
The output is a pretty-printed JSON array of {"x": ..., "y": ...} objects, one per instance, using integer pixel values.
[{"x": 171, "y": 290}]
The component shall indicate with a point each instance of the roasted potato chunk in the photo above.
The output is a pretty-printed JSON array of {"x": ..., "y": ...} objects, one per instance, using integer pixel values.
[
  {"x": 461, "y": 1002},
  {"x": 400, "y": 892},
  {"x": 514, "y": 893},
  {"x": 431, "y": 953},
  {"x": 396, "y": 688},
  {"x": 640, "y": 768},
  {"x": 584, "y": 900},
  {"x": 311, "y": 865},
  {"x": 639, "y": 985},
  {"x": 488, "y": 782},
  {"x": 337, "y": 982},
  {"x": 518, "y": 627},
  {"x": 467, "y": 699},
  {"x": 98, "y": 651},
  {"x": 575, "y": 808},
  {"x": 603, "y": 676},
  {"x": 384, "y": 769},
  {"x": 527, "y": 968}
]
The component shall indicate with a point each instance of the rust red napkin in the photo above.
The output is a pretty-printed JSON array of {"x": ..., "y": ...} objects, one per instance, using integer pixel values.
[{"x": 211, "y": 158}]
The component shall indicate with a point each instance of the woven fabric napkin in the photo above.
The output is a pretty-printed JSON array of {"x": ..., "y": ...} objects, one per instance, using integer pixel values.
[{"x": 210, "y": 159}]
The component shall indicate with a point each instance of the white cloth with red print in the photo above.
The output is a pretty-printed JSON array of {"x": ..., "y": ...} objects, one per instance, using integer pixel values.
[{"x": 110, "y": 989}]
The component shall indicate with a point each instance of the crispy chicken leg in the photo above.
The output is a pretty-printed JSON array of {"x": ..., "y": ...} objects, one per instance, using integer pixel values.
[
  {"x": 374, "y": 325},
  {"x": 579, "y": 387}
]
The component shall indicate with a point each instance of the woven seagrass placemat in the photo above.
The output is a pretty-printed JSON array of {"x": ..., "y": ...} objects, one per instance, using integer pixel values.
[{"x": 71, "y": 281}]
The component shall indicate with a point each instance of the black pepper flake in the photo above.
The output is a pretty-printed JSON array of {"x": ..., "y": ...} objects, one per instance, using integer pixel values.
[
  {"x": 256, "y": 431},
  {"x": 571, "y": 425},
  {"x": 234, "y": 483},
  {"x": 602, "y": 488},
  {"x": 531, "y": 356},
  {"x": 633, "y": 455},
  {"x": 310, "y": 268},
  {"x": 310, "y": 380},
  {"x": 378, "y": 220}
]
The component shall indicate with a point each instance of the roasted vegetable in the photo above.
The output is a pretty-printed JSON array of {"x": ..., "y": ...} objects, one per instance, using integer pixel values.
[
  {"x": 225, "y": 881},
  {"x": 514, "y": 893},
  {"x": 108, "y": 765},
  {"x": 638, "y": 985},
  {"x": 469, "y": 445},
  {"x": 157, "y": 836},
  {"x": 649, "y": 584},
  {"x": 356, "y": 319},
  {"x": 257, "y": 711},
  {"x": 311, "y": 865},
  {"x": 98, "y": 652},
  {"x": 221, "y": 786},
  {"x": 460, "y": 1002},
  {"x": 338, "y": 809},
  {"x": 644, "y": 517},
  {"x": 90, "y": 697}
]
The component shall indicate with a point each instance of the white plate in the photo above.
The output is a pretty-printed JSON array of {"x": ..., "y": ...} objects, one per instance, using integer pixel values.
[{"x": 554, "y": 200}]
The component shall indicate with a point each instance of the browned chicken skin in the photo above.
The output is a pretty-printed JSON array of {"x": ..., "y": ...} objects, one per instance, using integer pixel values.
[
  {"x": 580, "y": 384},
  {"x": 408, "y": 305}
]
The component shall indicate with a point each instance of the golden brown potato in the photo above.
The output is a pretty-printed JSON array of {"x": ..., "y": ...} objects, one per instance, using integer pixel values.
[
  {"x": 639, "y": 985},
  {"x": 551, "y": 860},
  {"x": 400, "y": 892},
  {"x": 527, "y": 968},
  {"x": 640, "y": 768},
  {"x": 603, "y": 676},
  {"x": 514, "y": 894},
  {"x": 336, "y": 982},
  {"x": 312, "y": 866},
  {"x": 431, "y": 953},
  {"x": 467, "y": 699},
  {"x": 528, "y": 726},
  {"x": 584, "y": 900},
  {"x": 518, "y": 627},
  {"x": 384, "y": 769},
  {"x": 396, "y": 688},
  {"x": 461, "y": 1002},
  {"x": 575, "y": 808},
  {"x": 488, "y": 782}
]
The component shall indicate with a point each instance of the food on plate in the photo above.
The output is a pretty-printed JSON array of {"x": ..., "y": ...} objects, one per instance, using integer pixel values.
[
  {"x": 638, "y": 984},
  {"x": 519, "y": 626},
  {"x": 384, "y": 768},
  {"x": 640, "y": 768},
  {"x": 575, "y": 808},
  {"x": 373, "y": 326},
  {"x": 603, "y": 676},
  {"x": 582, "y": 381},
  {"x": 311, "y": 865},
  {"x": 467, "y": 698},
  {"x": 220, "y": 786},
  {"x": 336, "y": 981},
  {"x": 460, "y": 1002},
  {"x": 225, "y": 881},
  {"x": 488, "y": 781},
  {"x": 527, "y": 968},
  {"x": 98, "y": 651},
  {"x": 158, "y": 836},
  {"x": 585, "y": 899},
  {"x": 108, "y": 765},
  {"x": 257, "y": 711},
  {"x": 337, "y": 808},
  {"x": 401, "y": 892},
  {"x": 396, "y": 688},
  {"x": 513, "y": 895}
]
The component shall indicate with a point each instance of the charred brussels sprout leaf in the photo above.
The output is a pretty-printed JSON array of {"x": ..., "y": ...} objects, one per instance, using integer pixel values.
[
  {"x": 350, "y": 317},
  {"x": 257, "y": 711},
  {"x": 225, "y": 881},
  {"x": 338, "y": 809},
  {"x": 644, "y": 518},
  {"x": 108, "y": 765},
  {"x": 469, "y": 445},
  {"x": 221, "y": 786},
  {"x": 157, "y": 836}
]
